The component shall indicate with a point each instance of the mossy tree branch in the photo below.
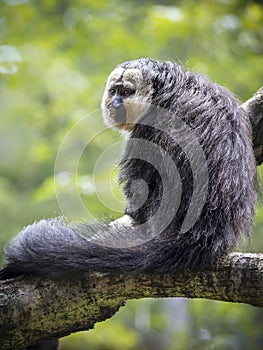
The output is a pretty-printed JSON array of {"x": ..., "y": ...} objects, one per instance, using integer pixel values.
[
  {"x": 254, "y": 106},
  {"x": 34, "y": 309}
]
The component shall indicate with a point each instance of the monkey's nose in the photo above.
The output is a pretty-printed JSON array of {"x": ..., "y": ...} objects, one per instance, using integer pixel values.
[{"x": 118, "y": 113}]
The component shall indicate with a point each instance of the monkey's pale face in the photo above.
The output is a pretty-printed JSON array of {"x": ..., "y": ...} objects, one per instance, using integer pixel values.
[{"x": 126, "y": 98}]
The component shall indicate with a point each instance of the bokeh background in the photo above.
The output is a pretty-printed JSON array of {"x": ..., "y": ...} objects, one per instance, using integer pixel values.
[{"x": 54, "y": 59}]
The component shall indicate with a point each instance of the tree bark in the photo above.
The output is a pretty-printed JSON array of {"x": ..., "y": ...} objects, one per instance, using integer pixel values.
[
  {"x": 254, "y": 107},
  {"x": 35, "y": 309}
]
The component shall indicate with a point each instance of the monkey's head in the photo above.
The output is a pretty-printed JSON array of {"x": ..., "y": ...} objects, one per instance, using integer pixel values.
[{"x": 127, "y": 96}]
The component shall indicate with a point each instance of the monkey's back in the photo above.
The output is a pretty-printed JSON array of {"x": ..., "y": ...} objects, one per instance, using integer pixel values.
[{"x": 203, "y": 129}]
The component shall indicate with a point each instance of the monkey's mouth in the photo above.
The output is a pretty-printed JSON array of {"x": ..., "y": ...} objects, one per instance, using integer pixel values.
[{"x": 118, "y": 114}]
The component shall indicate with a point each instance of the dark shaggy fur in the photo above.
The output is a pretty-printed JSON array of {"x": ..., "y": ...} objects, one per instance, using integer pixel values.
[{"x": 221, "y": 126}]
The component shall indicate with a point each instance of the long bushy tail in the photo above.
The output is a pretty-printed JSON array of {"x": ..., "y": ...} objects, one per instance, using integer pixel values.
[{"x": 54, "y": 248}]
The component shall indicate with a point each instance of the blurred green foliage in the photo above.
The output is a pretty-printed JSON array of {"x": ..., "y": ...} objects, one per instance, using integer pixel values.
[{"x": 54, "y": 58}]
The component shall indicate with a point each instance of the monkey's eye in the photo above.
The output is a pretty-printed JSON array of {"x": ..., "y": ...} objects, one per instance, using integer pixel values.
[
  {"x": 128, "y": 92},
  {"x": 112, "y": 92}
]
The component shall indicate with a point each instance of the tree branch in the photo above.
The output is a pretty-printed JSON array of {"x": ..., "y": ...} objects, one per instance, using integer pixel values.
[
  {"x": 36, "y": 309},
  {"x": 33, "y": 309},
  {"x": 254, "y": 107}
]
